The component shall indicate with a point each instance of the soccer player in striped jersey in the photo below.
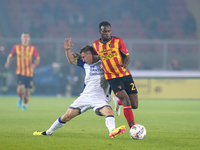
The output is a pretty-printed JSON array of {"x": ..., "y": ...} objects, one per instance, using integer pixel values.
[
  {"x": 95, "y": 95},
  {"x": 115, "y": 59},
  {"x": 25, "y": 65}
]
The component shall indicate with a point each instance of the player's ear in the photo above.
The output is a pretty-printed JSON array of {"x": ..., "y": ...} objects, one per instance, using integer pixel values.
[
  {"x": 100, "y": 31},
  {"x": 90, "y": 53}
]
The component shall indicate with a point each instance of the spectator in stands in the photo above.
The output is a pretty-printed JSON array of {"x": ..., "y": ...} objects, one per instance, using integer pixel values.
[
  {"x": 137, "y": 65},
  {"x": 3, "y": 71},
  {"x": 174, "y": 65},
  {"x": 59, "y": 75},
  {"x": 72, "y": 83}
]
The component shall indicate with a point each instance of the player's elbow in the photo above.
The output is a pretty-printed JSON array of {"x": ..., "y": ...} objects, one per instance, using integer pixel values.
[{"x": 73, "y": 62}]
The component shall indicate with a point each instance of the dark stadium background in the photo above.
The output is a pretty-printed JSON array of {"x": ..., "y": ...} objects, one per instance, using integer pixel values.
[{"x": 156, "y": 32}]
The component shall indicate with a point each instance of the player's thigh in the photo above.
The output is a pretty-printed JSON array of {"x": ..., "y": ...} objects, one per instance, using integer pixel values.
[
  {"x": 101, "y": 106},
  {"x": 105, "y": 111},
  {"x": 20, "y": 80},
  {"x": 116, "y": 85},
  {"x": 71, "y": 113},
  {"x": 20, "y": 88},
  {"x": 124, "y": 97},
  {"x": 82, "y": 103},
  {"x": 129, "y": 85},
  {"x": 28, "y": 82}
]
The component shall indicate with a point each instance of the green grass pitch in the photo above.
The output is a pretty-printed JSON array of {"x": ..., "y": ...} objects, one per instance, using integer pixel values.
[{"x": 170, "y": 125}]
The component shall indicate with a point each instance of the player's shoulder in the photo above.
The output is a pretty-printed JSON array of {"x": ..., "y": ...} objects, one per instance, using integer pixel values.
[
  {"x": 79, "y": 62},
  {"x": 15, "y": 46},
  {"x": 115, "y": 37},
  {"x": 32, "y": 45},
  {"x": 96, "y": 41},
  {"x": 19, "y": 44}
]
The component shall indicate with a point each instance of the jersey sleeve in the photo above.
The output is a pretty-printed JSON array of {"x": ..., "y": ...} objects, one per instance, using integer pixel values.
[
  {"x": 80, "y": 63},
  {"x": 94, "y": 46},
  {"x": 13, "y": 51},
  {"x": 36, "y": 54},
  {"x": 122, "y": 47}
]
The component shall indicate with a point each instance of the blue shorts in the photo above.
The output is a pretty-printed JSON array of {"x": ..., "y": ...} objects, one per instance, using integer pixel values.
[
  {"x": 123, "y": 83},
  {"x": 27, "y": 81}
]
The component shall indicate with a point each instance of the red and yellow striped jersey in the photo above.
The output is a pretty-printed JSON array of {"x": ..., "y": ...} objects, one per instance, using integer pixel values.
[
  {"x": 24, "y": 56},
  {"x": 111, "y": 57}
]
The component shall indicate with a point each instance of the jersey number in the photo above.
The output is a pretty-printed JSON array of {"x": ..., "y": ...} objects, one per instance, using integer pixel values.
[{"x": 133, "y": 86}]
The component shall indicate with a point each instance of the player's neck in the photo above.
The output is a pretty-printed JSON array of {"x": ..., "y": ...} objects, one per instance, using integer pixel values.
[
  {"x": 105, "y": 40},
  {"x": 25, "y": 45}
]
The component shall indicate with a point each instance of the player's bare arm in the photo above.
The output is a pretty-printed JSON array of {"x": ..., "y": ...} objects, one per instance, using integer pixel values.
[
  {"x": 67, "y": 45},
  {"x": 36, "y": 62},
  {"x": 126, "y": 62},
  {"x": 8, "y": 62}
]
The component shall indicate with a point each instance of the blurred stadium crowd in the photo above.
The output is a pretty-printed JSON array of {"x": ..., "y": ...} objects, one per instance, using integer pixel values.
[
  {"x": 130, "y": 19},
  {"x": 137, "y": 19}
]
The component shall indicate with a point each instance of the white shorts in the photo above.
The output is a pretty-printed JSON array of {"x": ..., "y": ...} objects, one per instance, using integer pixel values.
[{"x": 85, "y": 102}]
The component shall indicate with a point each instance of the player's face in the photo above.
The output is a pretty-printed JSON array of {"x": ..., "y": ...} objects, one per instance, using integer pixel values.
[
  {"x": 87, "y": 57},
  {"x": 105, "y": 33},
  {"x": 25, "y": 38}
]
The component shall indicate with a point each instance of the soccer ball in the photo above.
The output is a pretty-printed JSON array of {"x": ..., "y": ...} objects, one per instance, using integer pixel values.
[{"x": 138, "y": 132}]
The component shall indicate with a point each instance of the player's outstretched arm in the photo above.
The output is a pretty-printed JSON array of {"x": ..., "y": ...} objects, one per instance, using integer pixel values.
[
  {"x": 67, "y": 45},
  {"x": 8, "y": 62}
]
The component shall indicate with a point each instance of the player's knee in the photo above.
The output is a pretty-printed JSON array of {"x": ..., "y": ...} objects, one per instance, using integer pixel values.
[
  {"x": 126, "y": 102},
  {"x": 65, "y": 118}
]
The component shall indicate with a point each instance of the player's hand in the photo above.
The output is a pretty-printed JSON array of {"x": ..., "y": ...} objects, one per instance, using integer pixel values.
[
  {"x": 67, "y": 44},
  {"x": 124, "y": 66},
  {"x": 7, "y": 65},
  {"x": 33, "y": 66}
]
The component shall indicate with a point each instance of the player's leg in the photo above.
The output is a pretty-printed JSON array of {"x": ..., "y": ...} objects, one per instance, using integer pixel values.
[
  {"x": 117, "y": 103},
  {"x": 134, "y": 100},
  {"x": 61, "y": 121},
  {"x": 28, "y": 82},
  {"x": 110, "y": 122},
  {"x": 20, "y": 86},
  {"x": 76, "y": 108},
  {"x": 131, "y": 91},
  {"x": 20, "y": 93},
  {"x": 127, "y": 108},
  {"x": 80, "y": 105},
  {"x": 20, "y": 90},
  {"x": 71, "y": 113},
  {"x": 118, "y": 86},
  {"x": 27, "y": 94},
  {"x": 109, "y": 114}
]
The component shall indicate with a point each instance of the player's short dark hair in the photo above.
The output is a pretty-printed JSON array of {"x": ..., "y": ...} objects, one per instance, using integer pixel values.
[
  {"x": 104, "y": 23},
  {"x": 25, "y": 33},
  {"x": 87, "y": 48}
]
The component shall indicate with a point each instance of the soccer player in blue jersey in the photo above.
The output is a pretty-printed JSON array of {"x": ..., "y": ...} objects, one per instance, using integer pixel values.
[{"x": 95, "y": 94}]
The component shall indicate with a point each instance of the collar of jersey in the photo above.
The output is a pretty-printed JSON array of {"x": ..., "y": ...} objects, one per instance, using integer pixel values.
[{"x": 105, "y": 42}]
